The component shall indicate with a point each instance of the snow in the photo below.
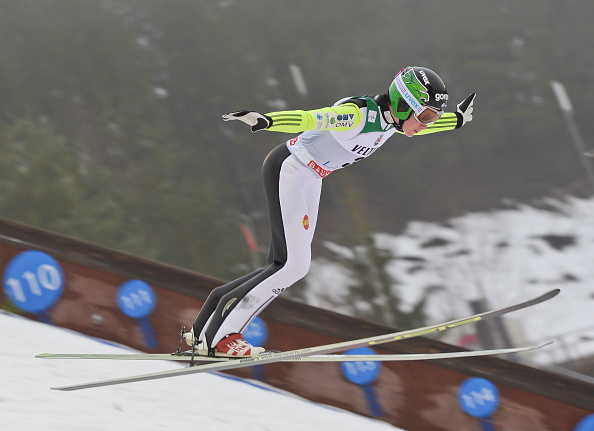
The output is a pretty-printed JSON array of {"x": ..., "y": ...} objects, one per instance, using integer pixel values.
[
  {"x": 501, "y": 256},
  {"x": 203, "y": 401}
]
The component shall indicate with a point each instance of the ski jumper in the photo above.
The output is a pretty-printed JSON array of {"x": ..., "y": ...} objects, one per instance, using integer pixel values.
[{"x": 332, "y": 138}]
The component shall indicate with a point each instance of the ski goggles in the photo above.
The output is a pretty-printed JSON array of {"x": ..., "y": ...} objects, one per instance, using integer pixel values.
[
  {"x": 428, "y": 116},
  {"x": 423, "y": 114}
]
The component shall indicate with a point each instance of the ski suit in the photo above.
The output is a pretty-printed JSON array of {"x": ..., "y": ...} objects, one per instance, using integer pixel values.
[{"x": 332, "y": 138}]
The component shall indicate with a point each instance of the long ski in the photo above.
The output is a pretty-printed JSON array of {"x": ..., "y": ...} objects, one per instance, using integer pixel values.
[
  {"x": 312, "y": 358},
  {"x": 318, "y": 350}
]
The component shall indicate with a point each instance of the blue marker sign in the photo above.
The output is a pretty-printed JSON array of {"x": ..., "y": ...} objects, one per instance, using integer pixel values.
[
  {"x": 136, "y": 299},
  {"x": 364, "y": 373},
  {"x": 586, "y": 424},
  {"x": 33, "y": 281},
  {"x": 478, "y": 397}
]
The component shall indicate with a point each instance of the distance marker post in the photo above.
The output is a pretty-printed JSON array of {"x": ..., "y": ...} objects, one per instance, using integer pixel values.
[
  {"x": 137, "y": 299},
  {"x": 479, "y": 398},
  {"x": 364, "y": 374}
]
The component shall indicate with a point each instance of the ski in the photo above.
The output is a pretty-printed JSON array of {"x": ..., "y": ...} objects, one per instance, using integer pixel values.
[
  {"x": 312, "y": 358},
  {"x": 318, "y": 350}
]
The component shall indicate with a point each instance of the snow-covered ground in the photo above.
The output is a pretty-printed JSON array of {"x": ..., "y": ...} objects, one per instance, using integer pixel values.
[
  {"x": 203, "y": 401},
  {"x": 502, "y": 256}
]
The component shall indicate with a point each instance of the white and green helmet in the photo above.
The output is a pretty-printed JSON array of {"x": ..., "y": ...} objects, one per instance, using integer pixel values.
[{"x": 414, "y": 89}]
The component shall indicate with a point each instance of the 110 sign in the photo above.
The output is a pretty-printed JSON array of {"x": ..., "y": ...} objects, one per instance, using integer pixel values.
[{"x": 33, "y": 281}]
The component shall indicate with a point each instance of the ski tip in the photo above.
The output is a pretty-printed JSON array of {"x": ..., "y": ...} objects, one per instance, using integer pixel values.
[
  {"x": 548, "y": 295},
  {"x": 69, "y": 388},
  {"x": 43, "y": 355},
  {"x": 538, "y": 346}
]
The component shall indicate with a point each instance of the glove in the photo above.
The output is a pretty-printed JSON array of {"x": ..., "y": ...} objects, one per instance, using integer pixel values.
[
  {"x": 251, "y": 118},
  {"x": 464, "y": 110}
]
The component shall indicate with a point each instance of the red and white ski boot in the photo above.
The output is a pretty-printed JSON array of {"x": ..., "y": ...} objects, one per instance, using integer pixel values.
[{"x": 235, "y": 346}]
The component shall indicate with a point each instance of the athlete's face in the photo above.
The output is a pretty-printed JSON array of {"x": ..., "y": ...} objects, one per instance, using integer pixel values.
[{"x": 411, "y": 126}]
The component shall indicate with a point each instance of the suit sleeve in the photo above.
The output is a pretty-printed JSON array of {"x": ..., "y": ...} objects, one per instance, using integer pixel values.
[{"x": 339, "y": 118}]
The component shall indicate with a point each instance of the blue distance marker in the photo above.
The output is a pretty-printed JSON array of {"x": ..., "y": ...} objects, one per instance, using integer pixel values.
[
  {"x": 586, "y": 424},
  {"x": 34, "y": 282},
  {"x": 137, "y": 299},
  {"x": 256, "y": 334},
  {"x": 364, "y": 374},
  {"x": 479, "y": 398}
]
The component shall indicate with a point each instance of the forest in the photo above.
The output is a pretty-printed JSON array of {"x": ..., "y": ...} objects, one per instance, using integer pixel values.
[{"x": 111, "y": 130}]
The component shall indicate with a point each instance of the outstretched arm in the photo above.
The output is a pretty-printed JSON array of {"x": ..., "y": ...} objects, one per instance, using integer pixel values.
[{"x": 341, "y": 117}]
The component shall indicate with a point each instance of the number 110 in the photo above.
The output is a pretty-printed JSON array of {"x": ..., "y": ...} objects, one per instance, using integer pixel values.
[{"x": 47, "y": 277}]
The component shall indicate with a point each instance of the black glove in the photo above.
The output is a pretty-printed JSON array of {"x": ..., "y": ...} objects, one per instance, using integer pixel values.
[
  {"x": 251, "y": 118},
  {"x": 464, "y": 111}
]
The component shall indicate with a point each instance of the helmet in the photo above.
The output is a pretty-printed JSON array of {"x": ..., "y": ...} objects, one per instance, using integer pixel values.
[{"x": 415, "y": 89}]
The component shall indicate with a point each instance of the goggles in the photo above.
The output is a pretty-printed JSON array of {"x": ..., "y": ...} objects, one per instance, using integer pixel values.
[
  {"x": 423, "y": 114},
  {"x": 428, "y": 116}
]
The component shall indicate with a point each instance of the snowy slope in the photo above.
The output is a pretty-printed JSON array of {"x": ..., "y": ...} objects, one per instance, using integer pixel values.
[
  {"x": 202, "y": 401},
  {"x": 501, "y": 256}
]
